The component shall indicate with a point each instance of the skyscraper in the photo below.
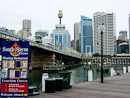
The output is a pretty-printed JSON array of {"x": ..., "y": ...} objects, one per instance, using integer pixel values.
[
  {"x": 86, "y": 35},
  {"x": 124, "y": 34},
  {"x": 120, "y": 42},
  {"x": 76, "y": 36},
  {"x": 109, "y": 36},
  {"x": 72, "y": 44},
  {"x": 129, "y": 33},
  {"x": 27, "y": 26},
  {"x": 61, "y": 35},
  {"x": 124, "y": 48}
]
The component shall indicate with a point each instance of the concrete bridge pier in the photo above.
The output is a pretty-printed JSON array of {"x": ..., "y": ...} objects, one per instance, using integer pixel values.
[
  {"x": 53, "y": 58},
  {"x": 40, "y": 57},
  {"x": 32, "y": 53}
]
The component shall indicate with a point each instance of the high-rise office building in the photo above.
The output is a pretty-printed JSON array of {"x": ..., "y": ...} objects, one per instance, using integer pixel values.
[
  {"x": 43, "y": 33},
  {"x": 109, "y": 36},
  {"x": 129, "y": 33},
  {"x": 61, "y": 35},
  {"x": 124, "y": 34},
  {"x": 76, "y": 36},
  {"x": 86, "y": 35},
  {"x": 27, "y": 26},
  {"x": 124, "y": 48},
  {"x": 72, "y": 44},
  {"x": 121, "y": 42}
]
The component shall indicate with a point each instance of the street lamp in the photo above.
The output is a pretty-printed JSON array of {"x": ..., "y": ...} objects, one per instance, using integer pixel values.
[{"x": 101, "y": 29}]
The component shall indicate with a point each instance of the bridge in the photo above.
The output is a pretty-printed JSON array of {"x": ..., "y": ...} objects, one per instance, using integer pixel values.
[{"x": 41, "y": 54}]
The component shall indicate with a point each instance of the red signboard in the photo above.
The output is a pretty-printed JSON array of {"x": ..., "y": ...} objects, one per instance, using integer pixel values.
[{"x": 14, "y": 87}]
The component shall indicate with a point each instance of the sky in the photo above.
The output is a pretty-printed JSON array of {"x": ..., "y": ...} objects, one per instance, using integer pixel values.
[{"x": 44, "y": 13}]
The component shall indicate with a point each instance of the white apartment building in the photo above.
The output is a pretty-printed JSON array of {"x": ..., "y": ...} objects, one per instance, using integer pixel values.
[
  {"x": 109, "y": 36},
  {"x": 47, "y": 40},
  {"x": 23, "y": 33}
]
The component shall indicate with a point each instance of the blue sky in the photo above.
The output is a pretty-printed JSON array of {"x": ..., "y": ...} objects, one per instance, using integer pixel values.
[{"x": 43, "y": 13}]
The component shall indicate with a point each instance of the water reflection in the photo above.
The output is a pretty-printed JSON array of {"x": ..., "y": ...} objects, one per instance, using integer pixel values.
[
  {"x": 35, "y": 78},
  {"x": 78, "y": 75},
  {"x": 82, "y": 75}
]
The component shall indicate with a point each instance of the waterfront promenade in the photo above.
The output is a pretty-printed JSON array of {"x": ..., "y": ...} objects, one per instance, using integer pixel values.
[{"x": 113, "y": 87}]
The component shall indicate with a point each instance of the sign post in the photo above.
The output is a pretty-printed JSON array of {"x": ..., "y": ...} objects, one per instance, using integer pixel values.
[{"x": 15, "y": 69}]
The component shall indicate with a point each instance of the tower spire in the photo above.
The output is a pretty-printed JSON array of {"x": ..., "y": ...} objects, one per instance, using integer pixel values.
[{"x": 60, "y": 15}]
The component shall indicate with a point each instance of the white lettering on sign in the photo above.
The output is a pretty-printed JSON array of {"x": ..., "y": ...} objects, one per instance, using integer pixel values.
[{"x": 4, "y": 49}]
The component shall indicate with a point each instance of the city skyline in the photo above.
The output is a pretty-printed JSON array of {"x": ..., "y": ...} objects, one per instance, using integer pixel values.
[{"x": 43, "y": 14}]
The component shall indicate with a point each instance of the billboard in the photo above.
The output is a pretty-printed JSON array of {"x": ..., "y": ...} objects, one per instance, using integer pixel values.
[{"x": 15, "y": 69}]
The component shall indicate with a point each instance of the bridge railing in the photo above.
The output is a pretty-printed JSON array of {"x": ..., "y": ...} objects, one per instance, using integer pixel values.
[{"x": 9, "y": 36}]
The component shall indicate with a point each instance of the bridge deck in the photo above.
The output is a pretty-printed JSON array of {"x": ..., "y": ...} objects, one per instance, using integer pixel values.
[{"x": 113, "y": 87}]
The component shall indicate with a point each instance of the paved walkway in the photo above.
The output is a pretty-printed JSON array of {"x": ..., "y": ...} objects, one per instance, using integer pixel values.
[{"x": 113, "y": 87}]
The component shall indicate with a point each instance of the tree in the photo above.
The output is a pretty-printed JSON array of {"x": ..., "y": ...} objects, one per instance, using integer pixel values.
[
  {"x": 114, "y": 55},
  {"x": 96, "y": 55}
]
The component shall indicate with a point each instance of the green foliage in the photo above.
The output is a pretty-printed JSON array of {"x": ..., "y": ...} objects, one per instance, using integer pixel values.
[
  {"x": 85, "y": 59},
  {"x": 96, "y": 55},
  {"x": 114, "y": 55}
]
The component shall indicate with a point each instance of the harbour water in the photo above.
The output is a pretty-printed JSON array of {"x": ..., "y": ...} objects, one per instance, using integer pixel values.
[
  {"x": 78, "y": 75},
  {"x": 35, "y": 78}
]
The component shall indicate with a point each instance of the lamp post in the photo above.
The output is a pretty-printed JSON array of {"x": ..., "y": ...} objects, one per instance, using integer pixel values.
[{"x": 101, "y": 29}]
